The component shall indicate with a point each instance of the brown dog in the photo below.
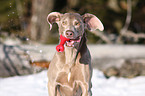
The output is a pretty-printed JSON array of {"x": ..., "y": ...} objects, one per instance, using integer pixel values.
[{"x": 70, "y": 71}]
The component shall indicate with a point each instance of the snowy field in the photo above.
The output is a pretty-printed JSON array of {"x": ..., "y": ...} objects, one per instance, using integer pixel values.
[{"x": 36, "y": 85}]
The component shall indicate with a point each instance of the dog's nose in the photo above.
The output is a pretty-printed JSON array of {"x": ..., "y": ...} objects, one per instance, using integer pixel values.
[{"x": 69, "y": 33}]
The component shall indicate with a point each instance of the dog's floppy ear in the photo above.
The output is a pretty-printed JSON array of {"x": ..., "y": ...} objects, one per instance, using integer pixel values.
[
  {"x": 53, "y": 17},
  {"x": 92, "y": 22}
]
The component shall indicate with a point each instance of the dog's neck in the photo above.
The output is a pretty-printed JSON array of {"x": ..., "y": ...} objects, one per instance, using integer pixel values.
[{"x": 71, "y": 53}]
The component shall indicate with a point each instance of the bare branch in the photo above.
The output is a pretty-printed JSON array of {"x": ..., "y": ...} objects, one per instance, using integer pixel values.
[
  {"x": 134, "y": 35},
  {"x": 102, "y": 36},
  {"x": 127, "y": 22}
]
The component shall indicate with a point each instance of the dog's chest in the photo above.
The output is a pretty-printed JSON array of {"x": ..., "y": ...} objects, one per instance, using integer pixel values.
[{"x": 69, "y": 78}]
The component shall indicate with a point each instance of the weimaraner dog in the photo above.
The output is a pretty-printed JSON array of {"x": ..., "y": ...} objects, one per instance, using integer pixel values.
[{"x": 70, "y": 71}]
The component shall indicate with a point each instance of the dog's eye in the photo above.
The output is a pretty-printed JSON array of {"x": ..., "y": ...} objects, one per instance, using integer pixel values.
[
  {"x": 64, "y": 23},
  {"x": 77, "y": 23}
]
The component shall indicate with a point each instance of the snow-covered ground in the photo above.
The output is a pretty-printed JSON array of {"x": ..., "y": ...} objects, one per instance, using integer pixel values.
[{"x": 36, "y": 85}]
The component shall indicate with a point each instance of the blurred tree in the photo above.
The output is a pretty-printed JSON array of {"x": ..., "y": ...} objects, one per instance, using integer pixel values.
[
  {"x": 39, "y": 28},
  {"x": 8, "y": 15},
  {"x": 30, "y": 16}
]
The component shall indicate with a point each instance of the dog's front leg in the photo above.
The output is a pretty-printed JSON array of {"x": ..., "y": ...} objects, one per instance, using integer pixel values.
[
  {"x": 51, "y": 90},
  {"x": 85, "y": 89}
]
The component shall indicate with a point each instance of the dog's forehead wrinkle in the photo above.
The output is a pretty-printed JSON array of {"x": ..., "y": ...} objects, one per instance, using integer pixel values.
[{"x": 72, "y": 16}]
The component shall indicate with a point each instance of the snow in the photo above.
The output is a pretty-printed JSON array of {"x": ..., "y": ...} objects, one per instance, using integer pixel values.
[
  {"x": 117, "y": 86},
  {"x": 36, "y": 85}
]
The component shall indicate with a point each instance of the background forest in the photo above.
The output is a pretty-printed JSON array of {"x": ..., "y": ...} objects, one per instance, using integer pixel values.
[{"x": 124, "y": 20}]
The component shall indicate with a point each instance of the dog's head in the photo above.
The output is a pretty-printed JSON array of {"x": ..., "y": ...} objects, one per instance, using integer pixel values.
[{"x": 72, "y": 25}]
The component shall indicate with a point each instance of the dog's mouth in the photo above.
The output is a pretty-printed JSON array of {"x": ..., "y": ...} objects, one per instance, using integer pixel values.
[{"x": 71, "y": 42}]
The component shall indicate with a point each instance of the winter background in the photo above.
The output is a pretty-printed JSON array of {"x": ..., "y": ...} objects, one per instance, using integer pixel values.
[{"x": 26, "y": 42}]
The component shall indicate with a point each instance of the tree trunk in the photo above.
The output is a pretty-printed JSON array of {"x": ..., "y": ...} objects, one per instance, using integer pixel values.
[{"x": 39, "y": 29}]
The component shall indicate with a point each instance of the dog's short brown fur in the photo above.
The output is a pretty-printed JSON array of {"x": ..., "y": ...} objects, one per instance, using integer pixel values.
[{"x": 70, "y": 71}]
